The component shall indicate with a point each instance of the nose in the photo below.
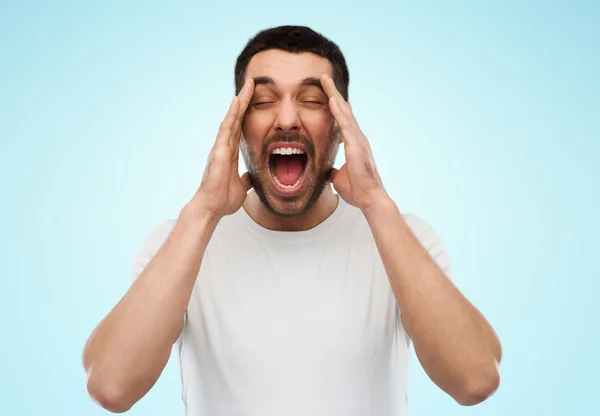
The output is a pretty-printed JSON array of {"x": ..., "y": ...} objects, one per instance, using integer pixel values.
[{"x": 287, "y": 119}]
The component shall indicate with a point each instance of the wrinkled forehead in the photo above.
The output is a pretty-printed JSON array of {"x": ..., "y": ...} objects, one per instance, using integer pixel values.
[{"x": 287, "y": 69}]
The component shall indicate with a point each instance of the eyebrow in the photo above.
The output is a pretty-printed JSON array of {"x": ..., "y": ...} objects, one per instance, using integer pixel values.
[
  {"x": 312, "y": 82},
  {"x": 306, "y": 82},
  {"x": 263, "y": 81}
]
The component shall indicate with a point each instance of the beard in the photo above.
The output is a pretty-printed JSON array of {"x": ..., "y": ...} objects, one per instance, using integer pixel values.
[{"x": 316, "y": 172}]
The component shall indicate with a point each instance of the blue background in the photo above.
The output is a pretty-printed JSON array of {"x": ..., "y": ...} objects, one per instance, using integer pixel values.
[{"x": 483, "y": 117}]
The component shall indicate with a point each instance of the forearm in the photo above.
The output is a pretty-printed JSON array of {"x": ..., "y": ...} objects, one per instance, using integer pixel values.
[
  {"x": 129, "y": 349},
  {"x": 457, "y": 347}
]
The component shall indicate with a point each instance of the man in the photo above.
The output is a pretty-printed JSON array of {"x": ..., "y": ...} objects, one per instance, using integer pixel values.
[{"x": 291, "y": 299}]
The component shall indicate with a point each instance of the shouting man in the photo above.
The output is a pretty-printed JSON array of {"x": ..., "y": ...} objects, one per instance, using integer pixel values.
[{"x": 305, "y": 295}]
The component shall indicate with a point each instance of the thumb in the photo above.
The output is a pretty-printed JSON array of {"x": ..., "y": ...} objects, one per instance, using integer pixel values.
[{"x": 246, "y": 182}]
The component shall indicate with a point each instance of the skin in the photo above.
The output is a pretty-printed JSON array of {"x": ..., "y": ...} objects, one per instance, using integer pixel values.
[
  {"x": 128, "y": 350},
  {"x": 456, "y": 346},
  {"x": 286, "y": 106}
]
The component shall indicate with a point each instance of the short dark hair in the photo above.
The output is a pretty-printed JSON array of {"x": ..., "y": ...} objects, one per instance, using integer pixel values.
[{"x": 295, "y": 39}]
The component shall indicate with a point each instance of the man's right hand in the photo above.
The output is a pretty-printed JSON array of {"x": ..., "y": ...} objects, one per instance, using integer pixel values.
[
  {"x": 222, "y": 191},
  {"x": 128, "y": 350}
]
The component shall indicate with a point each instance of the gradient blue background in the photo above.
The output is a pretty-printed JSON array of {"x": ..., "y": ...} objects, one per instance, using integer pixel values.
[{"x": 483, "y": 116}]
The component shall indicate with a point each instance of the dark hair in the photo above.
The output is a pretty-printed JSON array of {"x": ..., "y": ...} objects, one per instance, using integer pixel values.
[{"x": 295, "y": 39}]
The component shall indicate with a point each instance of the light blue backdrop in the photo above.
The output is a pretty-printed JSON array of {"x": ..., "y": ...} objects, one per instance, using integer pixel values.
[{"x": 483, "y": 116}]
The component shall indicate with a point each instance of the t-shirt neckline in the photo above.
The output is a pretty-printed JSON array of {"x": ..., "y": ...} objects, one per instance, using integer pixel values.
[{"x": 295, "y": 235}]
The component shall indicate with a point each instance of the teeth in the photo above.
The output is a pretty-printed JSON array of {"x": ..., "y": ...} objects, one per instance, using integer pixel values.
[
  {"x": 287, "y": 151},
  {"x": 287, "y": 186}
]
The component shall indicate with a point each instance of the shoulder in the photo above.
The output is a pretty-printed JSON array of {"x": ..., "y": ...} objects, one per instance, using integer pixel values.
[
  {"x": 150, "y": 246},
  {"x": 430, "y": 240},
  {"x": 158, "y": 235},
  {"x": 419, "y": 227}
]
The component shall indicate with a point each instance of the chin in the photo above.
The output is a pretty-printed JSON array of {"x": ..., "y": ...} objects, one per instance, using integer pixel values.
[
  {"x": 288, "y": 204},
  {"x": 287, "y": 208},
  {"x": 289, "y": 180}
]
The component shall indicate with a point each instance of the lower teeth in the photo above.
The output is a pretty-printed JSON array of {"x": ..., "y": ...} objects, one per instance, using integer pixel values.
[{"x": 287, "y": 186}]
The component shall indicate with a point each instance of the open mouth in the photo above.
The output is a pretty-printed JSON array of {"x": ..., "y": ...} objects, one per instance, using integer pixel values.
[{"x": 287, "y": 166}]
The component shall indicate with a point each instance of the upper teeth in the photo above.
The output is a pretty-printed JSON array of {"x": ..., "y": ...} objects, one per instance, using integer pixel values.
[{"x": 287, "y": 151}]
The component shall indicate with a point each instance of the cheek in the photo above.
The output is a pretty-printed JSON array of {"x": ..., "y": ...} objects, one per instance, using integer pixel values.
[
  {"x": 255, "y": 127},
  {"x": 315, "y": 116},
  {"x": 321, "y": 126}
]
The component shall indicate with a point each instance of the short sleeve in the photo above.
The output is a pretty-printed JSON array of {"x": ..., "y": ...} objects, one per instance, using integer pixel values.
[
  {"x": 431, "y": 241},
  {"x": 148, "y": 250},
  {"x": 150, "y": 247}
]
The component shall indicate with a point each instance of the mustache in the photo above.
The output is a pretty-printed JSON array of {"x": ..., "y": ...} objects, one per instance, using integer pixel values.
[{"x": 283, "y": 137}]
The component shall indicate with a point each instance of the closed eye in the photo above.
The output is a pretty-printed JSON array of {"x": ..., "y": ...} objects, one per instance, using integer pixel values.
[
  {"x": 260, "y": 104},
  {"x": 313, "y": 103}
]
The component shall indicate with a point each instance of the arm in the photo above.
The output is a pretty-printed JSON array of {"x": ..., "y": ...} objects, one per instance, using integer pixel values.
[
  {"x": 128, "y": 350},
  {"x": 455, "y": 344}
]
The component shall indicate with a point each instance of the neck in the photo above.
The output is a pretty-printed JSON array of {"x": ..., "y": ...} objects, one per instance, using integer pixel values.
[{"x": 319, "y": 212}]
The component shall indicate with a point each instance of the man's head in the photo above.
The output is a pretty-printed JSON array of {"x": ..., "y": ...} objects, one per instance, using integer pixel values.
[{"x": 290, "y": 138}]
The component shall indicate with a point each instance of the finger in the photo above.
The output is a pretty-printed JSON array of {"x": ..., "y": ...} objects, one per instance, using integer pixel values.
[
  {"x": 360, "y": 134},
  {"x": 329, "y": 86},
  {"x": 226, "y": 126},
  {"x": 352, "y": 113},
  {"x": 244, "y": 97},
  {"x": 217, "y": 167},
  {"x": 348, "y": 130},
  {"x": 332, "y": 92}
]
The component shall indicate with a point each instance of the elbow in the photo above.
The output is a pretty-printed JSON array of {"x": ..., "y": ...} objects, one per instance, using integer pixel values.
[
  {"x": 109, "y": 397},
  {"x": 480, "y": 388}
]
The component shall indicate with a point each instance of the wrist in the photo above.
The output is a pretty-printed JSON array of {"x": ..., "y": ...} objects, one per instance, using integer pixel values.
[
  {"x": 380, "y": 207},
  {"x": 193, "y": 213}
]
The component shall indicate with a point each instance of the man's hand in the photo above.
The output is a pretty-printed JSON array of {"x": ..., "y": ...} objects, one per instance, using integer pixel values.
[
  {"x": 457, "y": 347},
  {"x": 222, "y": 191},
  {"x": 357, "y": 181}
]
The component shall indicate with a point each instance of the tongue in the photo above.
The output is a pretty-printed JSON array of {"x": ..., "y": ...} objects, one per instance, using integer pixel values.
[{"x": 288, "y": 169}]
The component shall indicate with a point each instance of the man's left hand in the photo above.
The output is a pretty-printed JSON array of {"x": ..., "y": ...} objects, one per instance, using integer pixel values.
[{"x": 357, "y": 181}]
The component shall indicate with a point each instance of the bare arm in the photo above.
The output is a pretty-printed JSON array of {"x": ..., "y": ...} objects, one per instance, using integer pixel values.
[
  {"x": 128, "y": 350},
  {"x": 457, "y": 347},
  {"x": 455, "y": 344},
  {"x": 126, "y": 353}
]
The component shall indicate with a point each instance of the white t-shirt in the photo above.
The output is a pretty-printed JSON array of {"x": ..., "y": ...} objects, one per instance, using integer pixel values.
[{"x": 294, "y": 323}]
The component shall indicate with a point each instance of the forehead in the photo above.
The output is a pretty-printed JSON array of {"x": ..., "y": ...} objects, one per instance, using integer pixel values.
[{"x": 286, "y": 68}]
